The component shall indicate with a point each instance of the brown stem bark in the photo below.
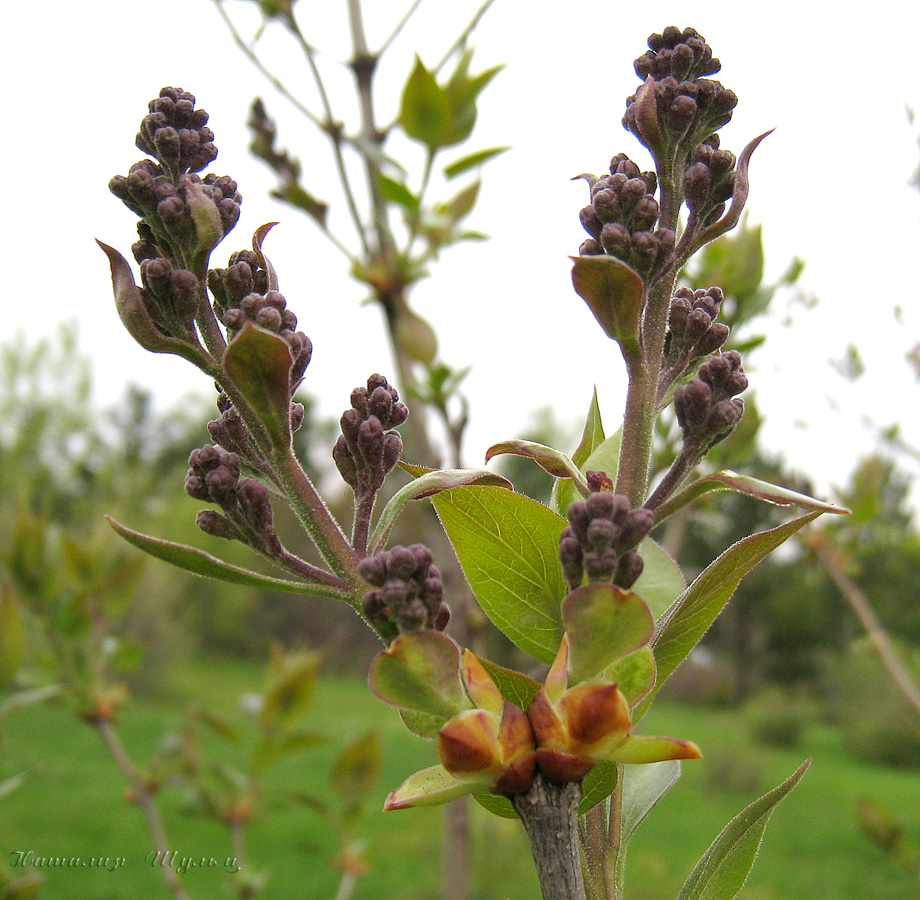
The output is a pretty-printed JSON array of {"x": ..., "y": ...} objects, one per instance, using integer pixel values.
[{"x": 550, "y": 816}]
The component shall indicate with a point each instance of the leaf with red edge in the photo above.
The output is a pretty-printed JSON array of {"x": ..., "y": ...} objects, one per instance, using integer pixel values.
[
  {"x": 427, "y": 485},
  {"x": 429, "y": 787},
  {"x": 552, "y": 461}
]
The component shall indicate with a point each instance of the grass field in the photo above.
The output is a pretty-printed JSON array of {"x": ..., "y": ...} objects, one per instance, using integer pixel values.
[{"x": 72, "y": 807}]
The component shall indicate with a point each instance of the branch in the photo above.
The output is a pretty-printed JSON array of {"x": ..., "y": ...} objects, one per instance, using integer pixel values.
[{"x": 830, "y": 557}]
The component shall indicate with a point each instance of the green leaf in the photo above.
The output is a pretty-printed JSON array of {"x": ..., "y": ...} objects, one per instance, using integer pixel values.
[
  {"x": 397, "y": 192},
  {"x": 425, "y": 110},
  {"x": 614, "y": 293},
  {"x": 471, "y": 161},
  {"x": 461, "y": 92},
  {"x": 597, "y": 786},
  {"x": 702, "y": 602},
  {"x": 520, "y": 689},
  {"x": 429, "y": 787},
  {"x": 744, "y": 484},
  {"x": 634, "y": 674},
  {"x": 724, "y": 868},
  {"x": 591, "y": 437},
  {"x": 427, "y": 485},
  {"x": 643, "y": 787},
  {"x": 661, "y": 581},
  {"x": 259, "y": 362},
  {"x": 462, "y": 204},
  {"x": 273, "y": 747},
  {"x": 12, "y": 635},
  {"x": 508, "y": 546},
  {"x": 605, "y": 457},
  {"x": 497, "y": 804},
  {"x": 604, "y": 623},
  {"x": 420, "y": 671},
  {"x": 290, "y": 692},
  {"x": 201, "y": 563},
  {"x": 552, "y": 461},
  {"x": 357, "y": 768}
]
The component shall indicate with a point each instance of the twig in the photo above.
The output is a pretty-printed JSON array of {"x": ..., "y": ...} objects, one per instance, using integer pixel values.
[
  {"x": 276, "y": 82},
  {"x": 829, "y": 555},
  {"x": 399, "y": 27},
  {"x": 144, "y": 798}
]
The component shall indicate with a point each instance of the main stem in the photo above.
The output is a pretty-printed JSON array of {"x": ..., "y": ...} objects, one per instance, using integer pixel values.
[{"x": 550, "y": 816}]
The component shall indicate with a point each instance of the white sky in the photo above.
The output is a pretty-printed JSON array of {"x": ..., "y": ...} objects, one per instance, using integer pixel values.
[{"x": 829, "y": 186}]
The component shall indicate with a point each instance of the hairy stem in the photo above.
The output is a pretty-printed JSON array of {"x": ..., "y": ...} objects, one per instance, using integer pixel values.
[
  {"x": 312, "y": 513},
  {"x": 550, "y": 816}
]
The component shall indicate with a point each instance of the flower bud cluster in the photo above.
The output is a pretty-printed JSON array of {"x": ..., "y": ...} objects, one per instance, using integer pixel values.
[
  {"x": 600, "y": 540},
  {"x": 182, "y": 214},
  {"x": 175, "y": 133},
  {"x": 166, "y": 208},
  {"x": 270, "y": 311},
  {"x": 245, "y": 274},
  {"x": 230, "y": 432},
  {"x": 408, "y": 593},
  {"x": 621, "y": 219},
  {"x": 368, "y": 448},
  {"x": 709, "y": 182},
  {"x": 214, "y": 476},
  {"x": 707, "y": 407},
  {"x": 170, "y": 296},
  {"x": 692, "y": 329},
  {"x": 687, "y": 107}
]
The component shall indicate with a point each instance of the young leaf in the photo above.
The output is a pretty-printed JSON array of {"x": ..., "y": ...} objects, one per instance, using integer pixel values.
[
  {"x": 497, "y": 804},
  {"x": 591, "y": 437},
  {"x": 425, "y": 111},
  {"x": 201, "y": 563},
  {"x": 634, "y": 675},
  {"x": 744, "y": 484},
  {"x": 661, "y": 581},
  {"x": 429, "y": 787},
  {"x": 597, "y": 786},
  {"x": 552, "y": 461},
  {"x": 357, "y": 768},
  {"x": 643, "y": 787},
  {"x": 613, "y": 292},
  {"x": 289, "y": 692},
  {"x": 420, "y": 671},
  {"x": 702, "y": 602},
  {"x": 725, "y": 866},
  {"x": 604, "y": 457},
  {"x": 427, "y": 485},
  {"x": 508, "y": 546},
  {"x": 471, "y": 161},
  {"x": 520, "y": 689},
  {"x": 397, "y": 192},
  {"x": 604, "y": 623},
  {"x": 259, "y": 362}
]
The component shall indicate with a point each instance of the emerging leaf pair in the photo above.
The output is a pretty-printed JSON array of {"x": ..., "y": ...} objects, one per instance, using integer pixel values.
[{"x": 487, "y": 743}]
